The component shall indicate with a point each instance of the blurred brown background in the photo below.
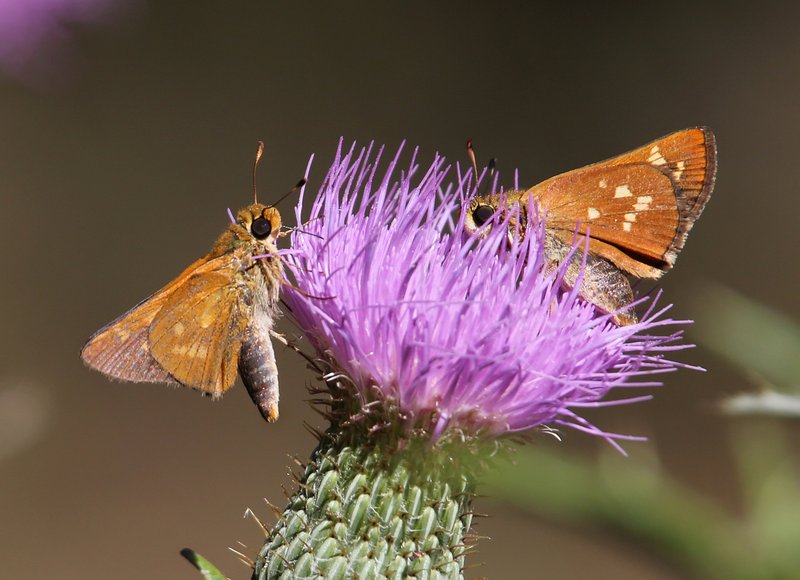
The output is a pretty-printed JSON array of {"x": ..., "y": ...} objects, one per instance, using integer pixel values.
[{"x": 115, "y": 173}]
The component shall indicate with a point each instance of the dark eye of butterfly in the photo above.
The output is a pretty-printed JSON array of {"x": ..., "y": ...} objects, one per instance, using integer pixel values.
[
  {"x": 260, "y": 228},
  {"x": 482, "y": 214}
]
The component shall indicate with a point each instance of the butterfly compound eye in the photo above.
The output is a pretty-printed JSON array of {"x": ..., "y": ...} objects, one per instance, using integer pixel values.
[
  {"x": 261, "y": 228},
  {"x": 482, "y": 214}
]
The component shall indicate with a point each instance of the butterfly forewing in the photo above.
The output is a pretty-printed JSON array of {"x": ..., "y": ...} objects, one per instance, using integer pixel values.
[
  {"x": 637, "y": 207},
  {"x": 121, "y": 349},
  {"x": 625, "y": 206},
  {"x": 199, "y": 307},
  {"x": 197, "y": 334},
  {"x": 688, "y": 157}
]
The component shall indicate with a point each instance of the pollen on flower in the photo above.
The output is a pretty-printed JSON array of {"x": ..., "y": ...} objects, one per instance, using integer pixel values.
[{"x": 453, "y": 331}]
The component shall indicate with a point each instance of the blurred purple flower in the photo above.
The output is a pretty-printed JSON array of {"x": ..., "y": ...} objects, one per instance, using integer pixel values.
[
  {"x": 35, "y": 40},
  {"x": 453, "y": 332}
]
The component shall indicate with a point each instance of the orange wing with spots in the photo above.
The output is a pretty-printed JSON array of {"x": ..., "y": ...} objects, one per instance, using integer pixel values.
[
  {"x": 135, "y": 346},
  {"x": 197, "y": 335},
  {"x": 637, "y": 208}
]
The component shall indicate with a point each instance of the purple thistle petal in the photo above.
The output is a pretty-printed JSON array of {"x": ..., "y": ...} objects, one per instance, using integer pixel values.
[{"x": 455, "y": 332}]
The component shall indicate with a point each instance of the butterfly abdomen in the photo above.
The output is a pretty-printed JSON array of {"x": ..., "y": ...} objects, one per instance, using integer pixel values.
[
  {"x": 260, "y": 373},
  {"x": 257, "y": 365}
]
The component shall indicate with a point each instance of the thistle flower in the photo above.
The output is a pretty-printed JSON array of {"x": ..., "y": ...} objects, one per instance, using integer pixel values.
[
  {"x": 453, "y": 333},
  {"x": 430, "y": 341}
]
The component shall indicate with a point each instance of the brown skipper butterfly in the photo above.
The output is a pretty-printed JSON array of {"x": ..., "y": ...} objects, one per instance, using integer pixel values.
[
  {"x": 636, "y": 210},
  {"x": 215, "y": 318}
]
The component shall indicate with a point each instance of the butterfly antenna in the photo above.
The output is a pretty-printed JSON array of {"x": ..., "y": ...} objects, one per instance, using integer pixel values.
[
  {"x": 297, "y": 187},
  {"x": 492, "y": 173},
  {"x": 259, "y": 153},
  {"x": 471, "y": 155}
]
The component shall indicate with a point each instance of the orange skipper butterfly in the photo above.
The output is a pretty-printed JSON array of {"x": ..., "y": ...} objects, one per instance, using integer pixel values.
[
  {"x": 211, "y": 321},
  {"x": 636, "y": 210}
]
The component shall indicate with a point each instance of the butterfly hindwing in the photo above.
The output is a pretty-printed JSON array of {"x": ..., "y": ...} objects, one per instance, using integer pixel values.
[
  {"x": 598, "y": 280},
  {"x": 122, "y": 352}
]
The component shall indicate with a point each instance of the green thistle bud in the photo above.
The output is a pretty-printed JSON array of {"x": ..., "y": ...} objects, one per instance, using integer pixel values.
[{"x": 374, "y": 509}]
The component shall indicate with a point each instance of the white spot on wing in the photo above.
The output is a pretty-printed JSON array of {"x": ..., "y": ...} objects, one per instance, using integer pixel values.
[
  {"x": 655, "y": 156},
  {"x": 642, "y": 203},
  {"x": 603, "y": 184},
  {"x": 622, "y": 191},
  {"x": 630, "y": 217},
  {"x": 677, "y": 173},
  {"x": 627, "y": 226},
  {"x": 594, "y": 213}
]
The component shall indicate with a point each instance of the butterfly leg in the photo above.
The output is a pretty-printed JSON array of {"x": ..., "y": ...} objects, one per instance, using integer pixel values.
[{"x": 314, "y": 363}]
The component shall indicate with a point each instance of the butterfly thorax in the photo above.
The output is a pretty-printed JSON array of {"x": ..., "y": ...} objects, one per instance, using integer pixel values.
[{"x": 268, "y": 277}]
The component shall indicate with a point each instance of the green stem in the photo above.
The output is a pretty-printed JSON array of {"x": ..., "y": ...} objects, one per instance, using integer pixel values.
[{"x": 370, "y": 507}]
